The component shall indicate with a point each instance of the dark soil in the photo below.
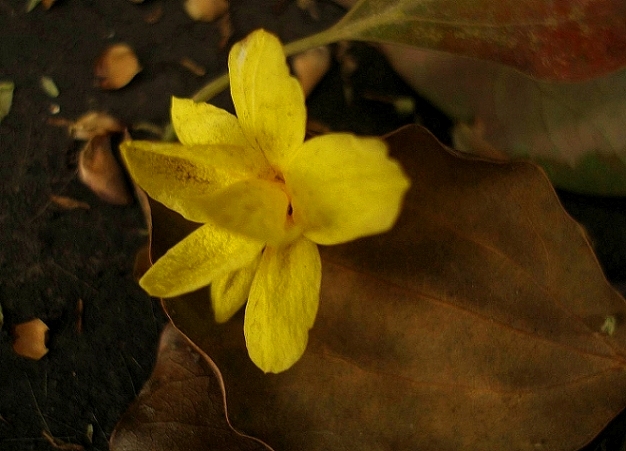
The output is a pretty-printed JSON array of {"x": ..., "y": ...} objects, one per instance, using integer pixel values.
[{"x": 52, "y": 258}]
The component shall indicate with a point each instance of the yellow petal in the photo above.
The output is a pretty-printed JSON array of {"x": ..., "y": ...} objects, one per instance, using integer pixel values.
[
  {"x": 282, "y": 305},
  {"x": 255, "y": 208},
  {"x": 268, "y": 101},
  {"x": 195, "y": 262},
  {"x": 182, "y": 177},
  {"x": 202, "y": 123},
  {"x": 343, "y": 187},
  {"x": 230, "y": 291}
]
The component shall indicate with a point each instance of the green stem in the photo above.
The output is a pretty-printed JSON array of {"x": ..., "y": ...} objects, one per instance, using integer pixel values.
[
  {"x": 212, "y": 89},
  {"x": 316, "y": 40}
]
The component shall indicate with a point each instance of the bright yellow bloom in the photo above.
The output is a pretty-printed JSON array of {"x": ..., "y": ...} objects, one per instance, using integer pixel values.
[{"x": 265, "y": 197}]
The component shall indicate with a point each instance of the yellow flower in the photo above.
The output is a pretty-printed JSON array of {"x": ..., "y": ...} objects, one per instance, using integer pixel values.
[{"x": 265, "y": 197}]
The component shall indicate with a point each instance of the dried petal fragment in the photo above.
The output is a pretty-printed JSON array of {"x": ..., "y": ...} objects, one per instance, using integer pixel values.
[
  {"x": 310, "y": 67},
  {"x": 100, "y": 171},
  {"x": 116, "y": 66},
  {"x": 94, "y": 123},
  {"x": 68, "y": 203},
  {"x": 30, "y": 339},
  {"x": 206, "y": 10}
]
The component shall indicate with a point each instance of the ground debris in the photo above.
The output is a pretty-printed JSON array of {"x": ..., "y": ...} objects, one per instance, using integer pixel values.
[
  {"x": 92, "y": 124},
  {"x": 60, "y": 444},
  {"x": 206, "y": 10},
  {"x": 29, "y": 339},
  {"x": 116, "y": 66},
  {"x": 6, "y": 98},
  {"x": 68, "y": 203}
]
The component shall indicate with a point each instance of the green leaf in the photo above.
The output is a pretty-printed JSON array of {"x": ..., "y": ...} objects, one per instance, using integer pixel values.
[
  {"x": 576, "y": 131},
  {"x": 560, "y": 40}
]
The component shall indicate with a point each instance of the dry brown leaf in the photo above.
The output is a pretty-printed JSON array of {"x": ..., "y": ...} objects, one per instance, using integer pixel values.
[
  {"x": 68, "y": 203},
  {"x": 116, "y": 66},
  {"x": 478, "y": 322},
  {"x": 142, "y": 262},
  {"x": 206, "y": 10},
  {"x": 181, "y": 407},
  {"x": 310, "y": 67},
  {"x": 470, "y": 139},
  {"x": 101, "y": 172},
  {"x": 29, "y": 339},
  {"x": 92, "y": 124}
]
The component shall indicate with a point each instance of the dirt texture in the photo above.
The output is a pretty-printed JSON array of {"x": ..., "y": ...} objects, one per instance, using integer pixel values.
[{"x": 53, "y": 259}]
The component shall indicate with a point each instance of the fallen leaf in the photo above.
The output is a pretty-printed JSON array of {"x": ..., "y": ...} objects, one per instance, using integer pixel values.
[
  {"x": 471, "y": 139},
  {"x": 476, "y": 323},
  {"x": 6, "y": 98},
  {"x": 49, "y": 86},
  {"x": 181, "y": 407},
  {"x": 29, "y": 339},
  {"x": 576, "y": 131},
  {"x": 31, "y": 5},
  {"x": 94, "y": 123},
  {"x": 69, "y": 203},
  {"x": 557, "y": 40},
  {"x": 206, "y": 10},
  {"x": 102, "y": 173},
  {"x": 116, "y": 66}
]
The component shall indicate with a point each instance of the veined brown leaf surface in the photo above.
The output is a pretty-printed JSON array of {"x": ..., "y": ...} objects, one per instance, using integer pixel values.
[
  {"x": 550, "y": 39},
  {"x": 181, "y": 407},
  {"x": 478, "y": 322}
]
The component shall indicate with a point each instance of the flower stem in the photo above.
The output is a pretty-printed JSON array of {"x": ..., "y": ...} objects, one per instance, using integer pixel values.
[
  {"x": 210, "y": 90},
  {"x": 316, "y": 40}
]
